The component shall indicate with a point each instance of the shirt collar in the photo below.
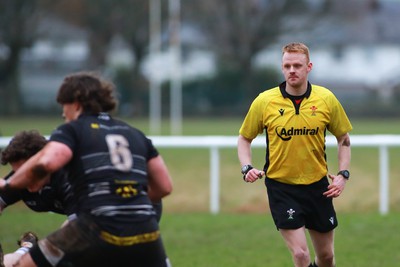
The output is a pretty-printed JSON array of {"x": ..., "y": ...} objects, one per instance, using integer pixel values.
[{"x": 282, "y": 87}]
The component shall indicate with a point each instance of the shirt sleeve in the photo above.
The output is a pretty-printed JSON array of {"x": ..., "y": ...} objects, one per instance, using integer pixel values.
[
  {"x": 253, "y": 122},
  {"x": 64, "y": 134},
  {"x": 339, "y": 122}
]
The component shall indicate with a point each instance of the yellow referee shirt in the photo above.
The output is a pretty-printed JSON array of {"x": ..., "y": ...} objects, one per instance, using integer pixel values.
[{"x": 295, "y": 133}]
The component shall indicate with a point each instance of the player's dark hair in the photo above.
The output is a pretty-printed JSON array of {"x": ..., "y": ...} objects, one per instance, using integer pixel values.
[
  {"x": 89, "y": 90},
  {"x": 22, "y": 146}
]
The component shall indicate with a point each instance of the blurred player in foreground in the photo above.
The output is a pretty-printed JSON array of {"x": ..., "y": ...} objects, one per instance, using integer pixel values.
[
  {"x": 115, "y": 173},
  {"x": 55, "y": 196},
  {"x": 295, "y": 116}
]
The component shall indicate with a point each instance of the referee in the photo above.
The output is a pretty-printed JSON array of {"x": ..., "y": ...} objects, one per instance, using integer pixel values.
[{"x": 295, "y": 117}]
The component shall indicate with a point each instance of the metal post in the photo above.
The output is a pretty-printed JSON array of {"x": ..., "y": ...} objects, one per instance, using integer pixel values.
[
  {"x": 176, "y": 75},
  {"x": 384, "y": 180},
  {"x": 155, "y": 84},
  {"x": 214, "y": 180}
]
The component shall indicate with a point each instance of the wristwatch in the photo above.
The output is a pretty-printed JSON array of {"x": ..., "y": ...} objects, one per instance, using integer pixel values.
[
  {"x": 245, "y": 170},
  {"x": 345, "y": 174}
]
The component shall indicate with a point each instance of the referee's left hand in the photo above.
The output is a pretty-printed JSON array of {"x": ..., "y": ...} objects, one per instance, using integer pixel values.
[{"x": 336, "y": 188}]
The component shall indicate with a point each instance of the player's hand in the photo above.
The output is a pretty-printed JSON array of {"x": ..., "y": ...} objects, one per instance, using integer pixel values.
[
  {"x": 336, "y": 188},
  {"x": 253, "y": 175}
]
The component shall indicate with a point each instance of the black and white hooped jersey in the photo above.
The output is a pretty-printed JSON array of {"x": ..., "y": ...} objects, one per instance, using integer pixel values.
[{"x": 108, "y": 170}]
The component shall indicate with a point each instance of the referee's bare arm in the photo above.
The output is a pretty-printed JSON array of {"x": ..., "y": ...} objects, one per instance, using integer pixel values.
[
  {"x": 344, "y": 152},
  {"x": 338, "y": 184},
  {"x": 244, "y": 155},
  {"x": 244, "y": 150}
]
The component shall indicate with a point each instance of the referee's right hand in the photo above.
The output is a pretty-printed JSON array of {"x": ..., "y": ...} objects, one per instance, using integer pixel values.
[{"x": 253, "y": 175}]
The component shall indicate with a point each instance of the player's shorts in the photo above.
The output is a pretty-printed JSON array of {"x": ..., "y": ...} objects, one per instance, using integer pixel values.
[
  {"x": 295, "y": 206},
  {"x": 82, "y": 243}
]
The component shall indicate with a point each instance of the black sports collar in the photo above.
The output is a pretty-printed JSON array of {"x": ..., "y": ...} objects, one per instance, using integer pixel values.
[{"x": 282, "y": 87}]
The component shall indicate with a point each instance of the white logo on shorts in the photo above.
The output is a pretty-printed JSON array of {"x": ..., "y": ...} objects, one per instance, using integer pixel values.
[{"x": 290, "y": 212}]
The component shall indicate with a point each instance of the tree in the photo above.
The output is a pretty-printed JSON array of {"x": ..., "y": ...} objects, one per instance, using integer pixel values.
[
  {"x": 18, "y": 24},
  {"x": 103, "y": 20},
  {"x": 238, "y": 30},
  {"x": 131, "y": 22},
  {"x": 93, "y": 16}
]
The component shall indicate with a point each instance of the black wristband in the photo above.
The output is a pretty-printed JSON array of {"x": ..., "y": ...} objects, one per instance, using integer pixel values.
[
  {"x": 345, "y": 174},
  {"x": 6, "y": 185}
]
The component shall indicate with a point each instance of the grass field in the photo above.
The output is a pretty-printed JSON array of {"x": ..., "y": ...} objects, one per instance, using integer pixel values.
[
  {"x": 239, "y": 239},
  {"x": 243, "y": 234}
]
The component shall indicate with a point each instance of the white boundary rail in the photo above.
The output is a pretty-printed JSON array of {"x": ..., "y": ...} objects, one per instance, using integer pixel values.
[{"x": 215, "y": 143}]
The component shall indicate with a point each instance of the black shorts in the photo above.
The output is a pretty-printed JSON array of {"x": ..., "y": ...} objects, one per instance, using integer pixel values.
[
  {"x": 295, "y": 206},
  {"x": 82, "y": 243}
]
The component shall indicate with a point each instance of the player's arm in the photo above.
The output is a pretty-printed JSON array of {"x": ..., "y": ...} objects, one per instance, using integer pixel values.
[
  {"x": 35, "y": 172},
  {"x": 160, "y": 182}
]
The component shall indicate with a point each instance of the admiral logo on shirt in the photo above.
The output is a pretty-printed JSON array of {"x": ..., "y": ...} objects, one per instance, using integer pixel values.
[{"x": 286, "y": 134}]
